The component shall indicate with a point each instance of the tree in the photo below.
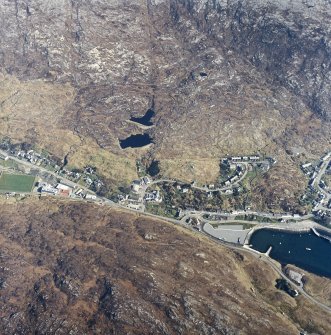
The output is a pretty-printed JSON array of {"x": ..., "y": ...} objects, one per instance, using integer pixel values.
[
  {"x": 235, "y": 192},
  {"x": 224, "y": 168}
]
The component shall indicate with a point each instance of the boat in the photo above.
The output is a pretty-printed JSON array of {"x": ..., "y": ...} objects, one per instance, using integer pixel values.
[{"x": 308, "y": 249}]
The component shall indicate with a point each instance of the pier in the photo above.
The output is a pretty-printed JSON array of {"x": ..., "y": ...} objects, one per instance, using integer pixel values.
[{"x": 268, "y": 251}]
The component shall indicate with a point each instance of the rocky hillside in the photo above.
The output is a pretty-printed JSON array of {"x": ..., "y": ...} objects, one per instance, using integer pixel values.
[
  {"x": 86, "y": 269},
  {"x": 223, "y": 77},
  {"x": 107, "y": 41},
  {"x": 287, "y": 41}
]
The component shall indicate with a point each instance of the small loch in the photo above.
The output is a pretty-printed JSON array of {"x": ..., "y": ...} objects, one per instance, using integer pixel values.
[
  {"x": 136, "y": 141},
  {"x": 144, "y": 120}
]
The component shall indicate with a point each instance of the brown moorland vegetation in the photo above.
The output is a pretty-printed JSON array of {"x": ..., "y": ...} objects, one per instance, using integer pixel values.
[{"x": 77, "y": 268}]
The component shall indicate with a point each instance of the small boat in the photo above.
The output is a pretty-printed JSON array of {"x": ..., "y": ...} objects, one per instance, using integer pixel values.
[{"x": 308, "y": 249}]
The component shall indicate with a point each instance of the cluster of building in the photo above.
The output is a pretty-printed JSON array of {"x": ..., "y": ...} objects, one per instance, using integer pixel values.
[
  {"x": 320, "y": 200},
  {"x": 318, "y": 197},
  {"x": 58, "y": 189},
  {"x": 323, "y": 215},
  {"x": 138, "y": 184},
  {"x": 72, "y": 174},
  {"x": 92, "y": 181},
  {"x": 254, "y": 160},
  {"x": 244, "y": 158},
  {"x": 153, "y": 196},
  {"x": 88, "y": 174},
  {"x": 32, "y": 157},
  {"x": 63, "y": 190},
  {"x": 311, "y": 170},
  {"x": 185, "y": 188},
  {"x": 297, "y": 277},
  {"x": 238, "y": 173},
  {"x": 82, "y": 194},
  {"x": 136, "y": 197}
]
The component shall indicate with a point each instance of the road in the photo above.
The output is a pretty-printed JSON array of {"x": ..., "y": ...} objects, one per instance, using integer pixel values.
[
  {"x": 231, "y": 216},
  {"x": 199, "y": 214},
  {"x": 317, "y": 182},
  {"x": 108, "y": 202},
  {"x": 40, "y": 168},
  {"x": 206, "y": 189},
  {"x": 274, "y": 265}
]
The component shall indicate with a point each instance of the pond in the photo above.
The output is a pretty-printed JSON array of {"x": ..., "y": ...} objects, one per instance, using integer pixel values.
[
  {"x": 144, "y": 120},
  {"x": 136, "y": 141}
]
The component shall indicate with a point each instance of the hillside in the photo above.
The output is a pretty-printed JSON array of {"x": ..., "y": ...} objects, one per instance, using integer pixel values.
[
  {"x": 70, "y": 268},
  {"x": 235, "y": 77}
]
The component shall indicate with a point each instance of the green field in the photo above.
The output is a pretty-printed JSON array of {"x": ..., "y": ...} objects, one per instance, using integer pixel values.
[{"x": 16, "y": 183}]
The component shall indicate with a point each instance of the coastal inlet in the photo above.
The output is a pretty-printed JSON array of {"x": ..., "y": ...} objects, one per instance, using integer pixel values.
[{"x": 307, "y": 250}]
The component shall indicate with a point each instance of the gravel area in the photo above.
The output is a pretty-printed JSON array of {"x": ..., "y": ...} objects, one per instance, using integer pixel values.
[{"x": 228, "y": 233}]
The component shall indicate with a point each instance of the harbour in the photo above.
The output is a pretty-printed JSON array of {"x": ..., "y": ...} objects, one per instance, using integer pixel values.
[{"x": 309, "y": 250}]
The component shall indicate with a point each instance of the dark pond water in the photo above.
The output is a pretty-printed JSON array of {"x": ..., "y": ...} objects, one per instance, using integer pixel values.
[
  {"x": 136, "y": 141},
  {"x": 146, "y": 119},
  {"x": 305, "y": 249}
]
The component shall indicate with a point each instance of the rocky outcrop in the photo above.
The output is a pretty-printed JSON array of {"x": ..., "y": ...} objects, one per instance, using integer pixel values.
[
  {"x": 108, "y": 41},
  {"x": 288, "y": 41}
]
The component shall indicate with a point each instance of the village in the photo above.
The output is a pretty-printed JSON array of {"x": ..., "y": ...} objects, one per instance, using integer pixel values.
[
  {"x": 319, "y": 187},
  {"x": 229, "y": 196},
  {"x": 49, "y": 177},
  {"x": 219, "y": 210},
  {"x": 164, "y": 196}
]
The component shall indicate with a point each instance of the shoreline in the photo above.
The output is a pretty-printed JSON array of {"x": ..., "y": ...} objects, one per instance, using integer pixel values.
[
  {"x": 310, "y": 228},
  {"x": 303, "y": 227}
]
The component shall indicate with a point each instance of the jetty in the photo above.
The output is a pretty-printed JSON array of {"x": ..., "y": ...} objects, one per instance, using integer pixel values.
[{"x": 268, "y": 251}]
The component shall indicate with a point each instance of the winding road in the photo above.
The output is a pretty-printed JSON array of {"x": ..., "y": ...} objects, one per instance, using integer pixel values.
[
  {"x": 181, "y": 222},
  {"x": 316, "y": 183}
]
